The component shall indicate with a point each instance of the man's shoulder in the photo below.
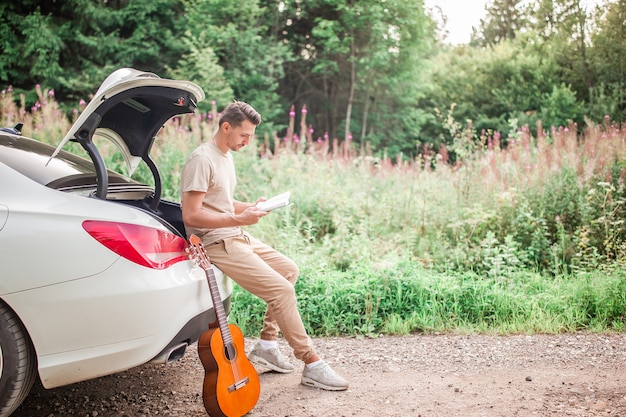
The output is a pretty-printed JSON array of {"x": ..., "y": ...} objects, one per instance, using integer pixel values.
[
  {"x": 203, "y": 149},
  {"x": 202, "y": 153}
]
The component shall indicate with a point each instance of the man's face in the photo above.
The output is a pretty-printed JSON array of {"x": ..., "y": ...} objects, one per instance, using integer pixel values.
[{"x": 238, "y": 136}]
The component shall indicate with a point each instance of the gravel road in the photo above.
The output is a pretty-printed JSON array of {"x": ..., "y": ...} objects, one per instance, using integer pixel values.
[{"x": 416, "y": 375}]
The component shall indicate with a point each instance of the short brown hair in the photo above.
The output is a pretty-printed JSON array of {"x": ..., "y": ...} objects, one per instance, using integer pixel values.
[{"x": 236, "y": 112}]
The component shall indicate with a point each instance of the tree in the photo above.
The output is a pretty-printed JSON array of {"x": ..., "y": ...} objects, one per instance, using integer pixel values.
[
  {"x": 240, "y": 36},
  {"x": 359, "y": 63},
  {"x": 498, "y": 89},
  {"x": 560, "y": 106},
  {"x": 71, "y": 46},
  {"x": 504, "y": 20},
  {"x": 565, "y": 24},
  {"x": 200, "y": 65},
  {"x": 608, "y": 59}
]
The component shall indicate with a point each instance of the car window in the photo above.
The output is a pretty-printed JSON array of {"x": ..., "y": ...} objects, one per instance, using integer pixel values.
[{"x": 32, "y": 159}]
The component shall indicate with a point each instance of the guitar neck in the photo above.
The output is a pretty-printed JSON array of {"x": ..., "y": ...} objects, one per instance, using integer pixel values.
[{"x": 220, "y": 314}]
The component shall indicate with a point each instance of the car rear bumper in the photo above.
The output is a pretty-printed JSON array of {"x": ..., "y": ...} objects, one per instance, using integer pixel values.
[
  {"x": 123, "y": 317},
  {"x": 188, "y": 335}
]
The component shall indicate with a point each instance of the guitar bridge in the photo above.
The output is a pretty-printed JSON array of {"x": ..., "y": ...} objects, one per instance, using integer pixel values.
[{"x": 239, "y": 384}]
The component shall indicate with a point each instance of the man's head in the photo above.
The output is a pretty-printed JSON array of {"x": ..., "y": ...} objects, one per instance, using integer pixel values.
[
  {"x": 235, "y": 113},
  {"x": 237, "y": 126}
]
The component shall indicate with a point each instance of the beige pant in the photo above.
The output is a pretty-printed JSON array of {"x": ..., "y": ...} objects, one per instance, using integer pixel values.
[{"x": 271, "y": 276}]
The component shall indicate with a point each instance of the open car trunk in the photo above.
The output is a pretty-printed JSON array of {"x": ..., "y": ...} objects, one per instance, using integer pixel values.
[{"x": 129, "y": 109}]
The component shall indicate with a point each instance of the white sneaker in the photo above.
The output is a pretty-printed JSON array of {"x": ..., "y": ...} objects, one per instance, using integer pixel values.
[
  {"x": 322, "y": 376},
  {"x": 270, "y": 358}
]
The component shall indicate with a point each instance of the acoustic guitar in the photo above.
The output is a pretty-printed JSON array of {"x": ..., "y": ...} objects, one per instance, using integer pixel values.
[{"x": 231, "y": 384}]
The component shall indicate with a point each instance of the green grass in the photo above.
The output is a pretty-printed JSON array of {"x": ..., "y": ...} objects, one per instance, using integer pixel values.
[{"x": 408, "y": 298}]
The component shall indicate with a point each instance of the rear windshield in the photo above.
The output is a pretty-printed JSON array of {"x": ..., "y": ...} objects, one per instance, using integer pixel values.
[{"x": 32, "y": 159}]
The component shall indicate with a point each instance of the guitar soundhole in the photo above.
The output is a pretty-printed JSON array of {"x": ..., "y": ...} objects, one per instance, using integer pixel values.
[{"x": 230, "y": 352}]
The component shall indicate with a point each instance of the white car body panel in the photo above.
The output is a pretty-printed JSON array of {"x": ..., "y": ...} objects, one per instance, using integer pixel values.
[{"x": 105, "y": 289}]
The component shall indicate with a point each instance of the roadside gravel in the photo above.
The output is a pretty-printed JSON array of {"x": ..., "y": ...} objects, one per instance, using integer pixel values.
[{"x": 416, "y": 375}]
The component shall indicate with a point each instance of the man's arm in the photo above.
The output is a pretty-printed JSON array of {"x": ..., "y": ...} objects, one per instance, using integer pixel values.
[{"x": 195, "y": 216}]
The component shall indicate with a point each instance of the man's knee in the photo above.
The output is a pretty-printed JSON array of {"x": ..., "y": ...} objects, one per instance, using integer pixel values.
[
  {"x": 292, "y": 272},
  {"x": 283, "y": 295}
]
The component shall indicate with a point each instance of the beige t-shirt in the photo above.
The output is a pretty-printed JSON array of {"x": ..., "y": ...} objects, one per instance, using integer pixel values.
[{"x": 210, "y": 170}]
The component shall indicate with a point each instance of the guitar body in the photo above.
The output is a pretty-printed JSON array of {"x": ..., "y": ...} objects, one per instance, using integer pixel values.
[{"x": 220, "y": 399}]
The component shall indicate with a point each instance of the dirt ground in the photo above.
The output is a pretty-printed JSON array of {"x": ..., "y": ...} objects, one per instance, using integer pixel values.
[{"x": 416, "y": 375}]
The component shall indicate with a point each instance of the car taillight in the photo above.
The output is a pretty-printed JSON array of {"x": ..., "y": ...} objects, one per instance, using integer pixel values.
[{"x": 143, "y": 245}]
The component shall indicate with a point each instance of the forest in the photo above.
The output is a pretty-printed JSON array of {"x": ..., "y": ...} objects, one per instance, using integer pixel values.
[{"x": 377, "y": 75}]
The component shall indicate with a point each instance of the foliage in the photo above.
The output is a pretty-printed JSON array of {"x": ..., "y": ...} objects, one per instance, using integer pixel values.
[
  {"x": 407, "y": 298},
  {"x": 238, "y": 35},
  {"x": 609, "y": 62},
  {"x": 200, "y": 65},
  {"x": 358, "y": 72},
  {"x": 71, "y": 46},
  {"x": 524, "y": 238},
  {"x": 505, "y": 19},
  {"x": 560, "y": 107},
  {"x": 554, "y": 202},
  {"x": 503, "y": 88},
  {"x": 372, "y": 74}
]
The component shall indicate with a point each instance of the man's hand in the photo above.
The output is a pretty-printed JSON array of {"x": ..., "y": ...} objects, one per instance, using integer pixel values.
[{"x": 251, "y": 215}]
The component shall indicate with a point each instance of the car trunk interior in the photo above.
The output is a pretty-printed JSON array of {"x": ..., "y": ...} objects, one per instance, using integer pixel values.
[{"x": 166, "y": 212}]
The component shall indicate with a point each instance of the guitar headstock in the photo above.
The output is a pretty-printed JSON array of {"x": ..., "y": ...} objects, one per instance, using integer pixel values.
[{"x": 197, "y": 253}]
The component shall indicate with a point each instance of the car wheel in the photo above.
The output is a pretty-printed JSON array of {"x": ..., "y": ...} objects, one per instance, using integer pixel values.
[{"x": 17, "y": 362}]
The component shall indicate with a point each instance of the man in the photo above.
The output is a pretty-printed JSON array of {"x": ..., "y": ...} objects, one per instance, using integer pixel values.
[{"x": 207, "y": 187}]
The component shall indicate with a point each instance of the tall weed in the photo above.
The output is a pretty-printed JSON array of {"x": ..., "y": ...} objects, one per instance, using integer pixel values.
[{"x": 524, "y": 236}]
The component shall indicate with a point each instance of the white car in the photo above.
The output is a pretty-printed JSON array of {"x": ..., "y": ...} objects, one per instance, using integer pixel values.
[{"x": 94, "y": 277}]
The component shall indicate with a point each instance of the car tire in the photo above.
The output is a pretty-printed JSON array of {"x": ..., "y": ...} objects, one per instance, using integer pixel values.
[{"x": 18, "y": 368}]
